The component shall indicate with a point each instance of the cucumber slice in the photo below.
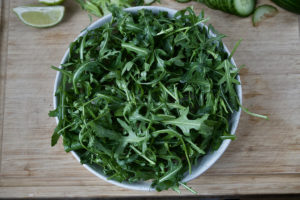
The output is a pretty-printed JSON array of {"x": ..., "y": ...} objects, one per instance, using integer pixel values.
[
  {"x": 263, "y": 12},
  {"x": 243, "y": 8},
  {"x": 289, "y": 5}
]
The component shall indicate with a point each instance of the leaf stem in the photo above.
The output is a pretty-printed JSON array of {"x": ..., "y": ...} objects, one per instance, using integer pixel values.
[
  {"x": 187, "y": 187},
  {"x": 142, "y": 155}
]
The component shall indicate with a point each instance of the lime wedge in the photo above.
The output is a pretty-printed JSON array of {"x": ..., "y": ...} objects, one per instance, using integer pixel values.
[
  {"x": 40, "y": 17},
  {"x": 51, "y": 2}
]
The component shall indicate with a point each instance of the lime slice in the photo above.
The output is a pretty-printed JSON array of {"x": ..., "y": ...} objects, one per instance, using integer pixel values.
[
  {"x": 51, "y": 2},
  {"x": 40, "y": 17}
]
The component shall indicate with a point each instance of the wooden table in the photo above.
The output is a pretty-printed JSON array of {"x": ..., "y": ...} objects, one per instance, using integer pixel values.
[{"x": 265, "y": 159}]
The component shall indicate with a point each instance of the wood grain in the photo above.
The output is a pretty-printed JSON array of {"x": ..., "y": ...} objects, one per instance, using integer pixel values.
[
  {"x": 265, "y": 159},
  {"x": 4, "y": 8}
]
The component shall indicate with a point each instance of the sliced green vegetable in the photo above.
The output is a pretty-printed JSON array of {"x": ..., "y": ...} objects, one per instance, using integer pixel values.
[
  {"x": 242, "y": 8},
  {"x": 262, "y": 13}
]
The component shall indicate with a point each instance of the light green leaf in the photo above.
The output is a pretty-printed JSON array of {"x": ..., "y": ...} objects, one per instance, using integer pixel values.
[{"x": 186, "y": 124}]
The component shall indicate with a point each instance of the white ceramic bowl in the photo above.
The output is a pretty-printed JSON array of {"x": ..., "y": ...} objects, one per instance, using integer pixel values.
[{"x": 204, "y": 163}]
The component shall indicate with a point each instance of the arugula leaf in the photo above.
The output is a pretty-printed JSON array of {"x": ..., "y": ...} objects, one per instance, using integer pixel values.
[
  {"x": 138, "y": 50},
  {"x": 185, "y": 124}
]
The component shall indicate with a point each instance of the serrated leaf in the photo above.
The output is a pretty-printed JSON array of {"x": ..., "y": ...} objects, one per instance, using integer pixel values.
[{"x": 186, "y": 124}]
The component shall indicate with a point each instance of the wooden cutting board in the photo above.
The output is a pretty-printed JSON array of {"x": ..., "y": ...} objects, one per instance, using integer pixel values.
[{"x": 265, "y": 158}]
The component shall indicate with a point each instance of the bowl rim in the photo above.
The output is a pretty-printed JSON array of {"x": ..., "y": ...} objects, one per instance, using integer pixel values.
[{"x": 206, "y": 161}]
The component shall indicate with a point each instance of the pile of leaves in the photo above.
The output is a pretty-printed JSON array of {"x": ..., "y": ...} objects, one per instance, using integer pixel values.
[{"x": 145, "y": 96}]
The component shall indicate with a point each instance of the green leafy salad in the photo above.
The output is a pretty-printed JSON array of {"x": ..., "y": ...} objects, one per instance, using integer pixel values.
[{"x": 145, "y": 96}]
